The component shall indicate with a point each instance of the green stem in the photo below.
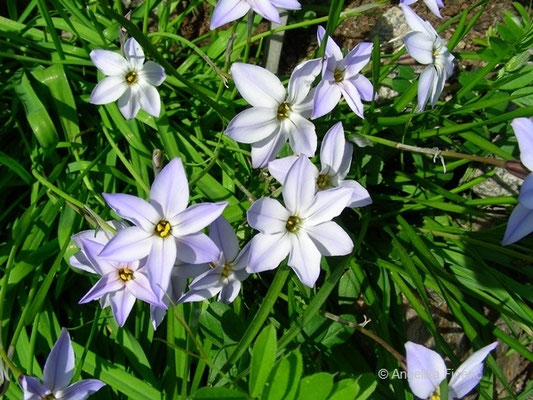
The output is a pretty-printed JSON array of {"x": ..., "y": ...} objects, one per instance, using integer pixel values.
[
  {"x": 10, "y": 364},
  {"x": 3, "y": 291}
]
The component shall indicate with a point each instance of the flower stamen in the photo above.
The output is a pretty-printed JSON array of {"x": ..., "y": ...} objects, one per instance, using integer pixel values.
[
  {"x": 132, "y": 77},
  {"x": 125, "y": 274},
  {"x": 163, "y": 228},
  {"x": 225, "y": 272},
  {"x": 323, "y": 181},
  {"x": 435, "y": 395},
  {"x": 48, "y": 397},
  {"x": 283, "y": 111},
  {"x": 338, "y": 75},
  {"x": 293, "y": 223}
]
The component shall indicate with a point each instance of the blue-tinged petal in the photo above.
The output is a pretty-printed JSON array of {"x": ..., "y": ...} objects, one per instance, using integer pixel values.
[
  {"x": 229, "y": 292},
  {"x": 253, "y": 125},
  {"x": 357, "y": 58},
  {"x": 267, "y": 251},
  {"x": 228, "y": 10},
  {"x": 360, "y": 196},
  {"x": 326, "y": 205},
  {"x": 140, "y": 287},
  {"x": 526, "y": 192},
  {"x": 279, "y": 168},
  {"x": 520, "y": 224},
  {"x": 364, "y": 87},
  {"x": 426, "y": 85},
  {"x": 59, "y": 366},
  {"x": 128, "y": 103},
  {"x": 109, "y": 90},
  {"x": 267, "y": 149},
  {"x": 327, "y": 96},
  {"x": 153, "y": 73},
  {"x": 159, "y": 264},
  {"x": 332, "y": 49},
  {"x": 149, "y": 99},
  {"x": 304, "y": 258},
  {"x": 32, "y": 388},
  {"x": 469, "y": 373},
  {"x": 425, "y": 369},
  {"x": 122, "y": 303},
  {"x": 134, "y": 209},
  {"x": 300, "y": 185},
  {"x": 130, "y": 244},
  {"x": 523, "y": 129},
  {"x": 439, "y": 86},
  {"x": 108, "y": 284},
  {"x": 287, "y": 4},
  {"x": 265, "y": 9},
  {"x": 434, "y": 5},
  {"x": 134, "y": 53},
  {"x": 224, "y": 237},
  {"x": 170, "y": 189},
  {"x": 197, "y": 248},
  {"x": 109, "y": 62},
  {"x": 101, "y": 265},
  {"x": 353, "y": 98},
  {"x": 80, "y": 390},
  {"x": 196, "y": 218},
  {"x": 413, "y": 20},
  {"x": 258, "y": 86},
  {"x": 330, "y": 239},
  {"x": 332, "y": 149},
  {"x": 301, "y": 80},
  {"x": 302, "y": 135},
  {"x": 268, "y": 216},
  {"x": 420, "y": 46},
  {"x": 199, "y": 295}
]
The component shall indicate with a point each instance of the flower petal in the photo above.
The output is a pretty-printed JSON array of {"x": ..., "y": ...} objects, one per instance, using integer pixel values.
[
  {"x": 160, "y": 263},
  {"x": 352, "y": 97},
  {"x": 425, "y": 369},
  {"x": 302, "y": 135},
  {"x": 130, "y": 244},
  {"x": 140, "y": 287},
  {"x": 134, "y": 209},
  {"x": 197, "y": 249},
  {"x": 128, "y": 103},
  {"x": 100, "y": 265},
  {"x": 80, "y": 390},
  {"x": 469, "y": 373},
  {"x": 134, "y": 53},
  {"x": 109, "y": 62},
  {"x": 523, "y": 129},
  {"x": 420, "y": 46},
  {"x": 326, "y": 205},
  {"x": 59, "y": 366},
  {"x": 304, "y": 258},
  {"x": 426, "y": 84},
  {"x": 122, "y": 303},
  {"x": 149, "y": 99},
  {"x": 332, "y": 149},
  {"x": 267, "y": 251},
  {"x": 199, "y": 295},
  {"x": 433, "y": 5},
  {"x": 196, "y": 218},
  {"x": 228, "y": 10},
  {"x": 327, "y": 96},
  {"x": 253, "y": 125},
  {"x": 332, "y": 49},
  {"x": 357, "y": 58},
  {"x": 268, "y": 216},
  {"x": 109, "y": 90},
  {"x": 267, "y": 149},
  {"x": 414, "y": 21},
  {"x": 229, "y": 292},
  {"x": 439, "y": 86},
  {"x": 520, "y": 224},
  {"x": 258, "y": 86},
  {"x": 153, "y": 73},
  {"x": 299, "y": 187},
  {"x": 170, "y": 189},
  {"x": 225, "y": 238},
  {"x": 108, "y": 284},
  {"x": 526, "y": 192},
  {"x": 32, "y": 387},
  {"x": 265, "y": 9},
  {"x": 301, "y": 80},
  {"x": 279, "y": 168},
  {"x": 286, "y": 4},
  {"x": 330, "y": 239},
  {"x": 360, "y": 196}
]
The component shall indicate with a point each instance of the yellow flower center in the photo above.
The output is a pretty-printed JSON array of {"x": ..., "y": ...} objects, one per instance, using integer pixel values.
[
  {"x": 293, "y": 223},
  {"x": 125, "y": 274},
  {"x": 436, "y": 395},
  {"x": 225, "y": 272},
  {"x": 338, "y": 75},
  {"x": 163, "y": 228},
  {"x": 48, "y": 397},
  {"x": 132, "y": 77},
  {"x": 283, "y": 111},
  {"x": 323, "y": 181}
]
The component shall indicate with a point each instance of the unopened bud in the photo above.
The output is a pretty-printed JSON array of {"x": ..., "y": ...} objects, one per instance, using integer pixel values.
[{"x": 517, "y": 169}]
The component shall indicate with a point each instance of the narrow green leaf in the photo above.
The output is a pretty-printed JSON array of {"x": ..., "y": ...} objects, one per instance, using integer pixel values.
[{"x": 263, "y": 358}]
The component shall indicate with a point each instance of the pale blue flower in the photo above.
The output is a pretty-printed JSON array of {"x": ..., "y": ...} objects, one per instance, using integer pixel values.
[
  {"x": 521, "y": 220},
  {"x": 426, "y": 47},
  {"x": 302, "y": 228},
  {"x": 57, "y": 374},
  {"x": 426, "y": 370},
  {"x": 433, "y": 5},
  {"x": 341, "y": 77}
]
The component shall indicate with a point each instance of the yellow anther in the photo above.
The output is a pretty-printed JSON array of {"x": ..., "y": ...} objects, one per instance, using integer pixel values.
[
  {"x": 125, "y": 274},
  {"x": 338, "y": 75},
  {"x": 163, "y": 228},
  {"x": 131, "y": 77},
  {"x": 293, "y": 223},
  {"x": 48, "y": 397},
  {"x": 283, "y": 110},
  {"x": 436, "y": 395},
  {"x": 323, "y": 181},
  {"x": 227, "y": 269}
]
